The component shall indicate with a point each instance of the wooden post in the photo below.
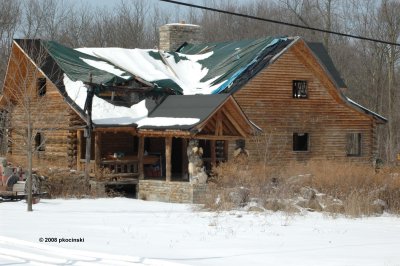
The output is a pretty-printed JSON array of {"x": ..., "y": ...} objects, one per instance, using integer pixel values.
[
  {"x": 168, "y": 151},
  {"x": 213, "y": 156},
  {"x": 184, "y": 159},
  {"x": 79, "y": 135},
  {"x": 97, "y": 150},
  {"x": 226, "y": 148},
  {"x": 87, "y": 153},
  {"x": 89, "y": 128},
  {"x": 140, "y": 157}
]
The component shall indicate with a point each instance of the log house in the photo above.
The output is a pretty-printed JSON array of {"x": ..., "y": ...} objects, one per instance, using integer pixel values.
[{"x": 280, "y": 97}]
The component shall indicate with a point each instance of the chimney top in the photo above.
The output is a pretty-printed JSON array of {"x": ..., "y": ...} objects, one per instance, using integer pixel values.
[{"x": 173, "y": 35}]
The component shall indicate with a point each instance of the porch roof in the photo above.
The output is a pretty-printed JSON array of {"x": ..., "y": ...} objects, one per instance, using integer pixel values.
[
  {"x": 216, "y": 116},
  {"x": 183, "y": 107}
]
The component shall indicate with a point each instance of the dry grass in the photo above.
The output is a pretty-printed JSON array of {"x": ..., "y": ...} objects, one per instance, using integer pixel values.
[
  {"x": 348, "y": 188},
  {"x": 60, "y": 182}
]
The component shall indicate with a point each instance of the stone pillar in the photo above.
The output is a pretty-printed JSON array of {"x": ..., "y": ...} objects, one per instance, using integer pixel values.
[{"x": 172, "y": 36}]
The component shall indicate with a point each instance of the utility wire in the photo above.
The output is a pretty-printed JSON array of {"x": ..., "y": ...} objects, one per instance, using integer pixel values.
[{"x": 280, "y": 22}]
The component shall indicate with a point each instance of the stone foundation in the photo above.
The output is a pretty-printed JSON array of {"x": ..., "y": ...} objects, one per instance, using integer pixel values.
[{"x": 178, "y": 192}]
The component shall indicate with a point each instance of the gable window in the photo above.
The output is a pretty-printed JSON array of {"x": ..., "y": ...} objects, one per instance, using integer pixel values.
[
  {"x": 39, "y": 141},
  {"x": 41, "y": 86},
  {"x": 299, "y": 89},
  {"x": 300, "y": 141},
  {"x": 353, "y": 147}
]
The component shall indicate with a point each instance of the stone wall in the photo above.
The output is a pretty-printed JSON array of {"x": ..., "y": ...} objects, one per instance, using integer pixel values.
[
  {"x": 178, "y": 192},
  {"x": 172, "y": 36}
]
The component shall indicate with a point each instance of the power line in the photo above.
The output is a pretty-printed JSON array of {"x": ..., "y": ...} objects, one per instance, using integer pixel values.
[{"x": 280, "y": 22}]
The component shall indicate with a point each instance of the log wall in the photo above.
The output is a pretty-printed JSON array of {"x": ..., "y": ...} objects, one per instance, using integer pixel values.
[
  {"x": 267, "y": 100},
  {"x": 49, "y": 113}
]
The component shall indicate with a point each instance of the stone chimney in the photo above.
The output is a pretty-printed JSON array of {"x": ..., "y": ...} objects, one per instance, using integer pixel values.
[{"x": 173, "y": 35}]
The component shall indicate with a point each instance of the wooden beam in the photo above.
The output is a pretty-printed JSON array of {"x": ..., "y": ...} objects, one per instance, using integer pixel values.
[
  {"x": 163, "y": 133},
  {"x": 131, "y": 130},
  {"x": 79, "y": 135},
  {"x": 140, "y": 157},
  {"x": 235, "y": 124},
  {"x": 213, "y": 137},
  {"x": 213, "y": 156},
  {"x": 168, "y": 151},
  {"x": 184, "y": 158},
  {"x": 226, "y": 149},
  {"x": 97, "y": 150},
  {"x": 218, "y": 124}
]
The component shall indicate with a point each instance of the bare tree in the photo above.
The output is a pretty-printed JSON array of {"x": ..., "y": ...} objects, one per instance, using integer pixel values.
[
  {"x": 9, "y": 18},
  {"x": 29, "y": 108}
]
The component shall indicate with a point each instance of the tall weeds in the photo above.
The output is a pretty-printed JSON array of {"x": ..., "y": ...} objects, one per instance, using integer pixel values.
[{"x": 348, "y": 188}]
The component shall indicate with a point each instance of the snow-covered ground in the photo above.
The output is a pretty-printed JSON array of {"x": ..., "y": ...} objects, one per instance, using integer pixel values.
[{"x": 123, "y": 231}]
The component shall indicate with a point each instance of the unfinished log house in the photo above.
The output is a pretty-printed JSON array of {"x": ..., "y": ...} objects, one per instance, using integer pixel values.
[{"x": 152, "y": 109}]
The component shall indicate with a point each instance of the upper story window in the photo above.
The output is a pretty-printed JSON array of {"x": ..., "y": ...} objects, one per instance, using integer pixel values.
[
  {"x": 41, "y": 87},
  {"x": 300, "y": 89},
  {"x": 353, "y": 147}
]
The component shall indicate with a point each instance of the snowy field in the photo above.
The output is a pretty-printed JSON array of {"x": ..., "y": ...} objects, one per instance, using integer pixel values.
[{"x": 123, "y": 231}]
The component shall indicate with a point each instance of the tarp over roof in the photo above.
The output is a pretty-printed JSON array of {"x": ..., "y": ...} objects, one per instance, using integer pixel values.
[
  {"x": 195, "y": 69},
  {"x": 81, "y": 66},
  {"x": 230, "y": 59}
]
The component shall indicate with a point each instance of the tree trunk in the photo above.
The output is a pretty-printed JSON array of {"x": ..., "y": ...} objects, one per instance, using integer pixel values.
[{"x": 29, "y": 157}]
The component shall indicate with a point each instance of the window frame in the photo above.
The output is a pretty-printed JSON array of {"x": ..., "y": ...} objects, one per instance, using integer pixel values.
[
  {"x": 41, "y": 86},
  {"x": 295, "y": 89},
  {"x": 297, "y": 135},
  {"x": 349, "y": 137},
  {"x": 39, "y": 142}
]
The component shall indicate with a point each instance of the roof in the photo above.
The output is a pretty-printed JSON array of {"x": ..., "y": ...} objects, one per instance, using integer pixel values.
[
  {"x": 322, "y": 54},
  {"x": 231, "y": 60},
  {"x": 193, "y": 70},
  {"x": 185, "y": 107}
]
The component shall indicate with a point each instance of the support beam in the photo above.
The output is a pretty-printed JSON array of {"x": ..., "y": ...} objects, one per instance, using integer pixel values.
[
  {"x": 235, "y": 124},
  {"x": 140, "y": 157},
  {"x": 97, "y": 150},
  {"x": 168, "y": 151},
  {"x": 184, "y": 159},
  {"x": 79, "y": 136},
  {"x": 213, "y": 156},
  {"x": 88, "y": 136}
]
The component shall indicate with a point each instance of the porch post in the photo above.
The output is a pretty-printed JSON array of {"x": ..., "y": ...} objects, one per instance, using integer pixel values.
[
  {"x": 140, "y": 157},
  {"x": 168, "y": 147},
  {"x": 184, "y": 159},
  {"x": 79, "y": 136},
  {"x": 213, "y": 156},
  {"x": 97, "y": 150}
]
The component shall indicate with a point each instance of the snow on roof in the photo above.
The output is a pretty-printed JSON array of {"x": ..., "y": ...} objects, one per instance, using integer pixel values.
[
  {"x": 154, "y": 65},
  {"x": 105, "y": 113},
  {"x": 167, "y": 121}
]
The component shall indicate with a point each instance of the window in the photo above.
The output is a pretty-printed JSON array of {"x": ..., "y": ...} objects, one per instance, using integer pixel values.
[
  {"x": 41, "y": 86},
  {"x": 39, "y": 141},
  {"x": 300, "y": 141},
  {"x": 353, "y": 144},
  {"x": 300, "y": 89}
]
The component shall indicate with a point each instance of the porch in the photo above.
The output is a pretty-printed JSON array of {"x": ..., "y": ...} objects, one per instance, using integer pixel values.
[
  {"x": 167, "y": 162},
  {"x": 122, "y": 156}
]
